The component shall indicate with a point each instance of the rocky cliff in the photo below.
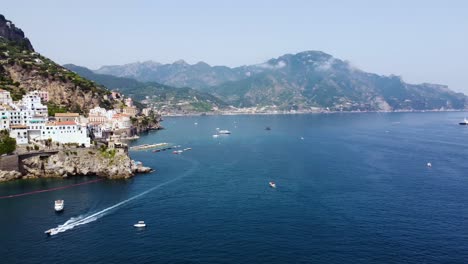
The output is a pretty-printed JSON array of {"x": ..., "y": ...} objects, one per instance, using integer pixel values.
[
  {"x": 80, "y": 162},
  {"x": 10, "y": 32},
  {"x": 23, "y": 70}
]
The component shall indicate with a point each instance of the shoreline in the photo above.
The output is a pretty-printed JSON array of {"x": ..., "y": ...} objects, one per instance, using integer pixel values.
[{"x": 309, "y": 112}]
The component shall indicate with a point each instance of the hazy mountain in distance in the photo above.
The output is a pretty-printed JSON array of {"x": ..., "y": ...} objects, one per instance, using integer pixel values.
[
  {"x": 186, "y": 99},
  {"x": 298, "y": 81},
  {"x": 178, "y": 74}
]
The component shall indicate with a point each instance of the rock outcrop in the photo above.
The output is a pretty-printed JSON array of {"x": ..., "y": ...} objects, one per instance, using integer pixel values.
[
  {"x": 9, "y": 31},
  {"x": 82, "y": 162},
  {"x": 9, "y": 175}
]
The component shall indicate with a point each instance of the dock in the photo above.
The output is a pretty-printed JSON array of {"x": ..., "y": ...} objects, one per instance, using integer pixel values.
[{"x": 149, "y": 146}]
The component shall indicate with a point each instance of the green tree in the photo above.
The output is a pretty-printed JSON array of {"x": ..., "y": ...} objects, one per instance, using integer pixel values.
[{"x": 7, "y": 144}]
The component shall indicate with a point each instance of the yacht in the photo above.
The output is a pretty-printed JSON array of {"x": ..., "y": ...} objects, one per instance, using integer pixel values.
[
  {"x": 272, "y": 184},
  {"x": 464, "y": 122},
  {"x": 225, "y": 132},
  {"x": 59, "y": 205},
  {"x": 140, "y": 224}
]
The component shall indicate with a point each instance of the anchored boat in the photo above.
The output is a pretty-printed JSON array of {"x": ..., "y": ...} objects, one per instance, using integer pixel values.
[
  {"x": 59, "y": 204},
  {"x": 225, "y": 132},
  {"x": 140, "y": 224}
]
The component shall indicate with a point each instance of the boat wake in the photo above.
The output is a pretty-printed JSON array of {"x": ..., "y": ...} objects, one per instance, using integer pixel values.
[{"x": 82, "y": 220}]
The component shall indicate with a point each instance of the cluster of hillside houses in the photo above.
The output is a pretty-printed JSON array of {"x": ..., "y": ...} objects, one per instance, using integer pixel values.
[{"x": 27, "y": 120}]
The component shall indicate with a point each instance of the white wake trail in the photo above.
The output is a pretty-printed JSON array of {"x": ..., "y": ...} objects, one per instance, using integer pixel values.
[{"x": 82, "y": 220}]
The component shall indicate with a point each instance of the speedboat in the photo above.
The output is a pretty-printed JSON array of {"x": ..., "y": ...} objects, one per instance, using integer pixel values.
[
  {"x": 272, "y": 184},
  {"x": 49, "y": 232},
  {"x": 140, "y": 224},
  {"x": 429, "y": 164},
  {"x": 177, "y": 152},
  {"x": 185, "y": 149},
  {"x": 215, "y": 136},
  {"x": 59, "y": 204},
  {"x": 225, "y": 132},
  {"x": 464, "y": 122}
]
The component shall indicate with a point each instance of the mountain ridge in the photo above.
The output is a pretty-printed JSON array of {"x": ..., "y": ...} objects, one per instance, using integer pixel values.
[
  {"x": 163, "y": 97},
  {"x": 305, "y": 80}
]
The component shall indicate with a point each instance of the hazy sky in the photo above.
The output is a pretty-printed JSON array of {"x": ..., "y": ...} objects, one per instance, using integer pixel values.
[{"x": 423, "y": 41}]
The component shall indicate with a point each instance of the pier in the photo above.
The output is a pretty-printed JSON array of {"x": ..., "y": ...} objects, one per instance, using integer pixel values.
[{"x": 149, "y": 146}]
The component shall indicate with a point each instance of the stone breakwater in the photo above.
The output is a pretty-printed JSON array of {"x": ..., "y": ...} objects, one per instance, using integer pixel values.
[{"x": 78, "y": 162}]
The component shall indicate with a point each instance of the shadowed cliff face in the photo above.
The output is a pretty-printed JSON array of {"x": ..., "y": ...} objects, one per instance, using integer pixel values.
[{"x": 9, "y": 31}]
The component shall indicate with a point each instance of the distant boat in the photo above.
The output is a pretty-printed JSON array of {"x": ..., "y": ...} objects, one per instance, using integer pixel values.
[
  {"x": 59, "y": 204},
  {"x": 140, "y": 224},
  {"x": 464, "y": 122},
  {"x": 178, "y": 152},
  {"x": 267, "y": 128},
  {"x": 272, "y": 184},
  {"x": 429, "y": 164},
  {"x": 302, "y": 138},
  {"x": 185, "y": 149},
  {"x": 195, "y": 123},
  {"x": 215, "y": 136},
  {"x": 225, "y": 132}
]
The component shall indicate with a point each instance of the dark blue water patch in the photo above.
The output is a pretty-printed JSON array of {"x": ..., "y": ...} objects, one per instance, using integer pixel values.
[{"x": 351, "y": 188}]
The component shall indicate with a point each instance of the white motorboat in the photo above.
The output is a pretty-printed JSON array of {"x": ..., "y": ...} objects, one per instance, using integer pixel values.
[
  {"x": 464, "y": 122},
  {"x": 215, "y": 136},
  {"x": 429, "y": 164},
  {"x": 48, "y": 232},
  {"x": 140, "y": 224},
  {"x": 272, "y": 184},
  {"x": 59, "y": 204},
  {"x": 224, "y": 132}
]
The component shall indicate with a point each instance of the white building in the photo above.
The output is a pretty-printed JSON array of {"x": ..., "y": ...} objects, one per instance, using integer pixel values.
[
  {"x": 66, "y": 132},
  {"x": 100, "y": 115},
  {"x": 20, "y": 133},
  {"x": 27, "y": 120},
  {"x": 5, "y": 97},
  {"x": 121, "y": 121}
]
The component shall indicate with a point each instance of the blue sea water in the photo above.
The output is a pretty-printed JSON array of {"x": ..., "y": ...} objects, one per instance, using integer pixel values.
[{"x": 351, "y": 188}]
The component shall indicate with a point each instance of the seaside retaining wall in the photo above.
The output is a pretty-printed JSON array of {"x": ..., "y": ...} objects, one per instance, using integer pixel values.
[{"x": 9, "y": 163}]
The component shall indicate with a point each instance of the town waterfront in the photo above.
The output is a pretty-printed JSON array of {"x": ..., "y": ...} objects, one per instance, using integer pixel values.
[{"x": 351, "y": 188}]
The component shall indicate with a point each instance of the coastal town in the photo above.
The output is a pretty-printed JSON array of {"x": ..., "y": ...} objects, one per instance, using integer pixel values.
[
  {"x": 64, "y": 144},
  {"x": 28, "y": 122}
]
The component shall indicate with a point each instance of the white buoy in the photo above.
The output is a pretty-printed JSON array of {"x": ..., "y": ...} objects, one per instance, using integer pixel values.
[{"x": 429, "y": 164}]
